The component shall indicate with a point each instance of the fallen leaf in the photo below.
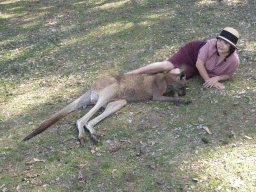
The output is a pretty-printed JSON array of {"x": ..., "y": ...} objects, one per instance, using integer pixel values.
[
  {"x": 30, "y": 163},
  {"x": 238, "y": 161},
  {"x": 207, "y": 129},
  {"x": 36, "y": 182},
  {"x": 37, "y": 160},
  {"x": 92, "y": 151},
  {"x": 97, "y": 148},
  {"x": 155, "y": 126},
  {"x": 81, "y": 166},
  {"x": 247, "y": 137},
  {"x": 29, "y": 175},
  {"x": 112, "y": 172},
  {"x": 200, "y": 119},
  {"x": 80, "y": 175}
]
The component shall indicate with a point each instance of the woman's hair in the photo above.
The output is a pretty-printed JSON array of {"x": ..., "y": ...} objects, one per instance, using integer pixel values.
[{"x": 231, "y": 50}]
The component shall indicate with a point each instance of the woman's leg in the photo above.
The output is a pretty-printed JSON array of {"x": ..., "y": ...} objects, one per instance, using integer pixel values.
[
  {"x": 154, "y": 68},
  {"x": 175, "y": 71}
]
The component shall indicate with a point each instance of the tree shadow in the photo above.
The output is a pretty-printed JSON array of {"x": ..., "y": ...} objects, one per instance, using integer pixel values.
[
  {"x": 52, "y": 38},
  {"x": 49, "y": 34}
]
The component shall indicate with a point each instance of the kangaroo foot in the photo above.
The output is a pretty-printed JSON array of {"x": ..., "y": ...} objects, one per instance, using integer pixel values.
[
  {"x": 81, "y": 134},
  {"x": 82, "y": 142},
  {"x": 91, "y": 131},
  {"x": 94, "y": 137}
]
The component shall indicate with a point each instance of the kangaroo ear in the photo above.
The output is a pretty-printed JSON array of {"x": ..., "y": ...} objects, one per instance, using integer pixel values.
[
  {"x": 183, "y": 75},
  {"x": 183, "y": 68}
]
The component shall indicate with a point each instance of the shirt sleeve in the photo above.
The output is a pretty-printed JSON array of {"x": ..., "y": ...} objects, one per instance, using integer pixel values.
[
  {"x": 208, "y": 50},
  {"x": 203, "y": 52},
  {"x": 234, "y": 64}
]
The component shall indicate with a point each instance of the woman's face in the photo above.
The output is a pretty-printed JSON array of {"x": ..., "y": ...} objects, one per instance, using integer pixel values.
[{"x": 223, "y": 46}]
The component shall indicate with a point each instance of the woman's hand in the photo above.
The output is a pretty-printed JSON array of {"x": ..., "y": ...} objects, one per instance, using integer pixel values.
[
  {"x": 214, "y": 81},
  {"x": 219, "y": 85},
  {"x": 211, "y": 82}
]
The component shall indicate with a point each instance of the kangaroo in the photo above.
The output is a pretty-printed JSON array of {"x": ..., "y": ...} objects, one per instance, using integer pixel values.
[{"x": 113, "y": 92}]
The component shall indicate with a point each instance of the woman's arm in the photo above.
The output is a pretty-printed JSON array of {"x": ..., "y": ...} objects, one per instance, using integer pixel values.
[
  {"x": 210, "y": 81},
  {"x": 201, "y": 68},
  {"x": 216, "y": 79}
]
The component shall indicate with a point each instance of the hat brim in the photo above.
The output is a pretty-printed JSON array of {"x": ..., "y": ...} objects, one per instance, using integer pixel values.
[{"x": 231, "y": 43}]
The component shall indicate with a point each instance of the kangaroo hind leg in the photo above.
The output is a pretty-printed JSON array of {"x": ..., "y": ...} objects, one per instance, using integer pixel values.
[
  {"x": 112, "y": 107},
  {"x": 83, "y": 100},
  {"x": 105, "y": 96}
]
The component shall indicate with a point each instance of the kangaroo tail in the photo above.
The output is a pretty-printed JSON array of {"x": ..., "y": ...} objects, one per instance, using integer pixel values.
[{"x": 84, "y": 100}]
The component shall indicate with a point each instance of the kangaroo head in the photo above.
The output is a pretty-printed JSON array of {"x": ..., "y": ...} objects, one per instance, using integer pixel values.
[{"x": 178, "y": 82}]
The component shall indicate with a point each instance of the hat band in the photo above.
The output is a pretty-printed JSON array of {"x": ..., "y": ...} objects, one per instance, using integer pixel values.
[{"x": 229, "y": 36}]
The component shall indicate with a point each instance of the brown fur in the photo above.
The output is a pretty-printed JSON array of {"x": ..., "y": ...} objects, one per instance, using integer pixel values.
[{"x": 113, "y": 92}]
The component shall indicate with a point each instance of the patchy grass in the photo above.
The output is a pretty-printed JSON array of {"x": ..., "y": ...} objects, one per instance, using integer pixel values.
[{"x": 51, "y": 52}]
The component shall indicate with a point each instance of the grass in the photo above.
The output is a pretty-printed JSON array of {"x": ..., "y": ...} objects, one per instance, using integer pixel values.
[{"x": 51, "y": 52}]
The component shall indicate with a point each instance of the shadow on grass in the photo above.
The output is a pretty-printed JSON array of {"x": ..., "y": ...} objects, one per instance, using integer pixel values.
[
  {"x": 62, "y": 39},
  {"x": 47, "y": 37}
]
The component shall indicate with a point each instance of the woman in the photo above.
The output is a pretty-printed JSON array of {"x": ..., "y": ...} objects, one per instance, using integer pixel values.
[{"x": 215, "y": 60}]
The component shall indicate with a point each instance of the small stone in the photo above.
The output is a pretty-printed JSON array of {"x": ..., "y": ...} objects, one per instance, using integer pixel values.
[{"x": 236, "y": 103}]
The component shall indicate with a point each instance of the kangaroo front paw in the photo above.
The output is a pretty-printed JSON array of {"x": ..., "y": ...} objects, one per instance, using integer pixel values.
[
  {"x": 177, "y": 103},
  {"x": 187, "y": 102},
  {"x": 181, "y": 101}
]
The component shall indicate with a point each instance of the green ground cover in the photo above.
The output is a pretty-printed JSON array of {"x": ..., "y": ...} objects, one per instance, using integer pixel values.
[{"x": 51, "y": 52}]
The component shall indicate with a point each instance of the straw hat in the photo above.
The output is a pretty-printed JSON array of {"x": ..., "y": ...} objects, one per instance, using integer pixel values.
[{"x": 230, "y": 35}]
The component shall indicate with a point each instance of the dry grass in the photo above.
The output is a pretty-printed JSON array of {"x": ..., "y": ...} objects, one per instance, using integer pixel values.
[{"x": 51, "y": 51}]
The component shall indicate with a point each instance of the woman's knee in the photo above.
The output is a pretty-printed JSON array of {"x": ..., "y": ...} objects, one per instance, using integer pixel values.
[
  {"x": 167, "y": 66},
  {"x": 175, "y": 71}
]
